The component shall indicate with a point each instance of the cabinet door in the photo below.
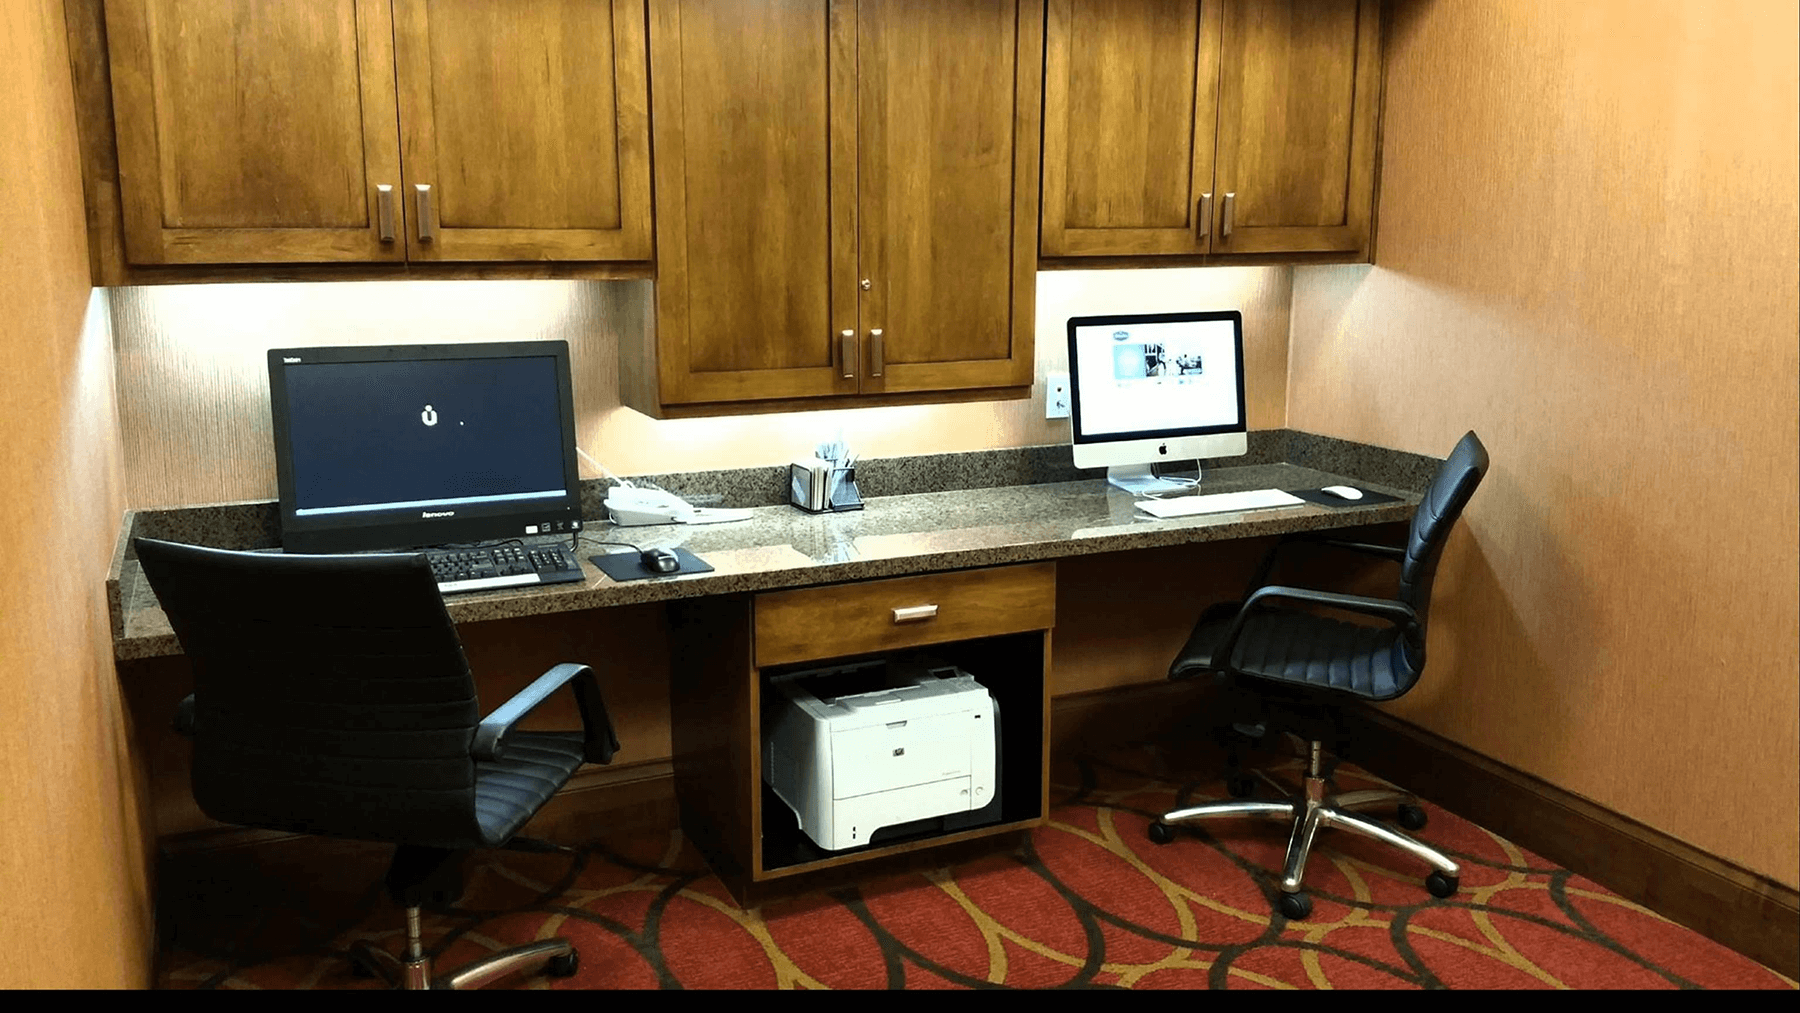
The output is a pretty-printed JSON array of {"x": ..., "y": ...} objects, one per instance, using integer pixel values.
[
  {"x": 755, "y": 138},
  {"x": 1130, "y": 103},
  {"x": 948, "y": 191},
  {"x": 251, "y": 132},
  {"x": 1298, "y": 93},
  {"x": 525, "y": 129}
]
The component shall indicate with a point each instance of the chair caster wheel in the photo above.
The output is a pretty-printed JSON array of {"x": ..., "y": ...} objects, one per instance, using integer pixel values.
[
  {"x": 1441, "y": 885},
  {"x": 1295, "y": 906},
  {"x": 1412, "y": 817},
  {"x": 1161, "y": 833},
  {"x": 564, "y": 966},
  {"x": 1240, "y": 785}
]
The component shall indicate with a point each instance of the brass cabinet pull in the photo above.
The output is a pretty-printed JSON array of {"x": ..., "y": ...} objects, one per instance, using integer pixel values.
[
  {"x": 849, "y": 354},
  {"x": 1204, "y": 214},
  {"x": 427, "y": 231},
  {"x": 384, "y": 211},
  {"x": 875, "y": 352},
  {"x": 1225, "y": 226},
  {"x": 917, "y": 613}
]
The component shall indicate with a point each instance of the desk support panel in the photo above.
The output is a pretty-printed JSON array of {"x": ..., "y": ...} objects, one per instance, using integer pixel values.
[{"x": 716, "y": 693}]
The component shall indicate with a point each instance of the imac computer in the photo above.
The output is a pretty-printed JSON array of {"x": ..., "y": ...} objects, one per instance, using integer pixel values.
[
  {"x": 1156, "y": 388},
  {"x": 399, "y": 447}
]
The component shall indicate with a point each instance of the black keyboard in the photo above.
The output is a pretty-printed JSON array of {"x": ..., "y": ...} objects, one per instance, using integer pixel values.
[{"x": 502, "y": 564}]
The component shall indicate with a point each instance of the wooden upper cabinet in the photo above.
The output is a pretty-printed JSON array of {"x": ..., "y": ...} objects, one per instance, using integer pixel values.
[
  {"x": 1130, "y": 98},
  {"x": 1298, "y": 91},
  {"x": 755, "y": 160},
  {"x": 525, "y": 129},
  {"x": 845, "y": 197},
  {"x": 252, "y": 132},
  {"x": 1210, "y": 127},
  {"x": 947, "y": 191}
]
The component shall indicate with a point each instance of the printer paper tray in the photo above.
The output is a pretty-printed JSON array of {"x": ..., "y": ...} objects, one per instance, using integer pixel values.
[{"x": 850, "y": 822}]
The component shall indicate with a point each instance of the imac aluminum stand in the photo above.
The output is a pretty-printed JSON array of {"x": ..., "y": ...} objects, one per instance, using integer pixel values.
[{"x": 1141, "y": 480}]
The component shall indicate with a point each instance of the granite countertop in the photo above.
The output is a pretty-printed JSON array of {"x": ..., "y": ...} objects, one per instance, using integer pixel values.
[{"x": 895, "y": 535}]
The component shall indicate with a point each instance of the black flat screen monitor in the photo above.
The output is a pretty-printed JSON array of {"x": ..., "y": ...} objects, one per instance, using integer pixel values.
[{"x": 393, "y": 447}]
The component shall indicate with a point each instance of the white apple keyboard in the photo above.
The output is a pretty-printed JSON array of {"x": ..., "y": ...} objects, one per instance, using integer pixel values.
[{"x": 1219, "y": 502}]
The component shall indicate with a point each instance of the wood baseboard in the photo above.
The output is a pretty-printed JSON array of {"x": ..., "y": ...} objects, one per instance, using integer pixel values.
[{"x": 1731, "y": 905}]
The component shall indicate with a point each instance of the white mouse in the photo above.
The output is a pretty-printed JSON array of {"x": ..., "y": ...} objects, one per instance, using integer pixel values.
[{"x": 1343, "y": 491}]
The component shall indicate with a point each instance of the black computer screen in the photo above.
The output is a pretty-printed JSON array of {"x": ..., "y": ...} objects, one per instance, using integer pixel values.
[
  {"x": 376, "y": 435},
  {"x": 393, "y": 447}
]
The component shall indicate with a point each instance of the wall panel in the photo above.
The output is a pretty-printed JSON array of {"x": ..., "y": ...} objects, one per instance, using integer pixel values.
[
  {"x": 1588, "y": 255},
  {"x": 73, "y": 869},
  {"x": 193, "y": 384}
]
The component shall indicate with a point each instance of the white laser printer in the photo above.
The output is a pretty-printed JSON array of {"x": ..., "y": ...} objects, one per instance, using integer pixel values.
[{"x": 923, "y": 745}]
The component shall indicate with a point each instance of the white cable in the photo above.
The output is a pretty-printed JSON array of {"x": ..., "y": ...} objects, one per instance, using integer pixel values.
[{"x": 601, "y": 468}]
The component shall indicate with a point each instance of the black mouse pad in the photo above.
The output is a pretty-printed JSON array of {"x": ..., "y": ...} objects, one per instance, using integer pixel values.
[
  {"x": 623, "y": 566},
  {"x": 1369, "y": 497}
]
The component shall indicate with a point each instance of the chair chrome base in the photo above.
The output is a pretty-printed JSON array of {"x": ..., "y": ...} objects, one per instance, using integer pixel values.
[
  {"x": 1313, "y": 810},
  {"x": 557, "y": 957}
]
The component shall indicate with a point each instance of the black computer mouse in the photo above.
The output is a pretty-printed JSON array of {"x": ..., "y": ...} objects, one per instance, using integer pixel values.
[{"x": 660, "y": 560}]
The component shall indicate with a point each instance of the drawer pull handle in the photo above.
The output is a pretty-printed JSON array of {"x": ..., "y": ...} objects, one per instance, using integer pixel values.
[
  {"x": 422, "y": 210},
  {"x": 384, "y": 211},
  {"x": 915, "y": 614}
]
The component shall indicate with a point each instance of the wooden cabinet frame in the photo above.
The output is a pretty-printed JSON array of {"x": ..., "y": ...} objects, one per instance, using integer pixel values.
[
  {"x": 716, "y": 696},
  {"x": 859, "y": 359},
  {"x": 1212, "y": 232},
  {"x": 1193, "y": 237},
  {"x": 419, "y": 136},
  {"x": 148, "y": 235},
  {"x": 131, "y": 239}
]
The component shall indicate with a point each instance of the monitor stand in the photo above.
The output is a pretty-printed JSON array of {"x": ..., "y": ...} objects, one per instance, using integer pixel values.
[{"x": 1141, "y": 480}]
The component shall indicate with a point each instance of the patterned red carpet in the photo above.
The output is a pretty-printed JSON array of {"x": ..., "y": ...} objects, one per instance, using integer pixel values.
[{"x": 1089, "y": 901}]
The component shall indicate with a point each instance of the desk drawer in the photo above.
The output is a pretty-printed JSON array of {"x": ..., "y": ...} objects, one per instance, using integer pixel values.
[{"x": 814, "y": 623}]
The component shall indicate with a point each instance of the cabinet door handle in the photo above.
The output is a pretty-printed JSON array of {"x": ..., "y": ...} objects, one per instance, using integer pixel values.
[
  {"x": 1204, "y": 215},
  {"x": 875, "y": 352},
  {"x": 427, "y": 230},
  {"x": 1225, "y": 226},
  {"x": 917, "y": 613},
  {"x": 384, "y": 211},
  {"x": 849, "y": 354}
]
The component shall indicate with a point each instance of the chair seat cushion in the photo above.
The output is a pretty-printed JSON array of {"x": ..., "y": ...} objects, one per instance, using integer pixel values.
[
  {"x": 509, "y": 790},
  {"x": 1303, "y": 650}
]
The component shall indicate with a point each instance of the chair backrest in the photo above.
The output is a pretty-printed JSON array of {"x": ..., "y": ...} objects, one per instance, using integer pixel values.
[
  {"x": 331, "y": 695},
  {"x": 1442, "y": 504}
]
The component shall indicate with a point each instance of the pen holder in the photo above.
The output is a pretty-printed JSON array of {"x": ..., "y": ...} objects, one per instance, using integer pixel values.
[
  {"x": 818, "y": 487},
  {"x": 842, "y": 493}
]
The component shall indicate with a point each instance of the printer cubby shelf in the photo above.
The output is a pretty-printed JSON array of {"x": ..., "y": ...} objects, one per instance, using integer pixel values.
[
  {"x": 1010, "y": 671},
  {"x": 993, "y": 624}
]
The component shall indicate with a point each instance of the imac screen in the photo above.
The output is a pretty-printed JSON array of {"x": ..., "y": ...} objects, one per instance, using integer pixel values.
[{"x": 1153, "y": 377}]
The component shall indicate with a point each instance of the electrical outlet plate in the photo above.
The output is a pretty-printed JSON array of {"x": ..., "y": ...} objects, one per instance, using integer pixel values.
[{"x": 1056, "y": 396}]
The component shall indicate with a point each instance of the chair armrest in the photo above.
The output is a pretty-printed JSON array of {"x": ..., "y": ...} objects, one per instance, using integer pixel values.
[
  {"x": 600, "y": 743},
  {"x": 1261, "y": 576},
  {"x": 1393, "y": 552},
  {"x": 1396, "y": 612},
  {"x": 184, "y": 717}
]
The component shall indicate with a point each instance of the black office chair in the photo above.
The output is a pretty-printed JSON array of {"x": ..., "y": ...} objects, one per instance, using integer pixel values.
[
  {"x": 331, "y": 697},
  {"x": 1298, "y": 667}
]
